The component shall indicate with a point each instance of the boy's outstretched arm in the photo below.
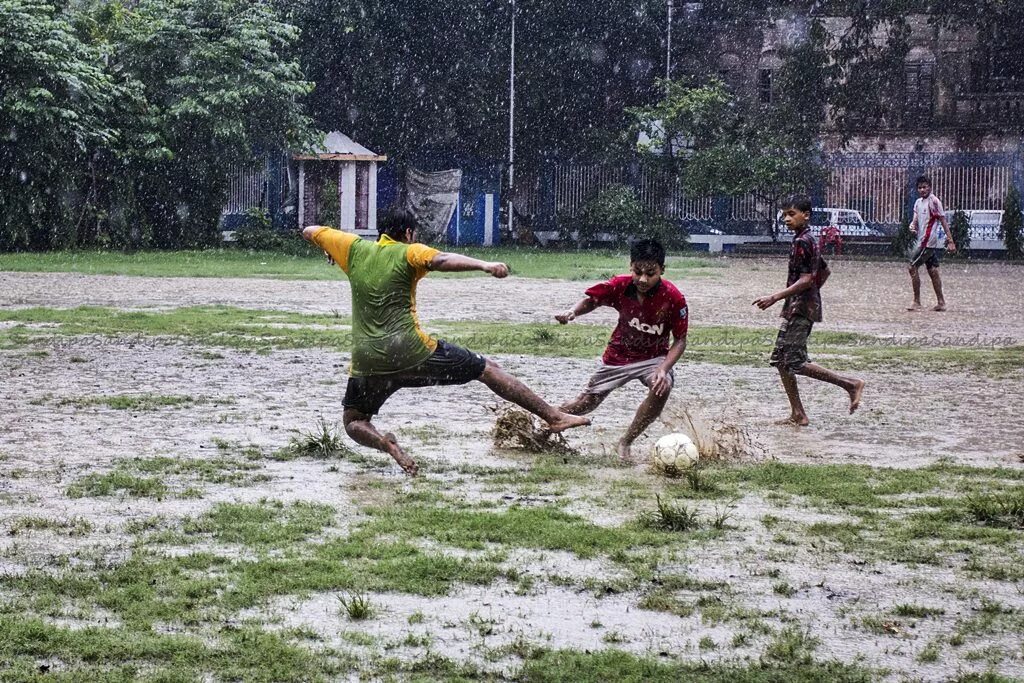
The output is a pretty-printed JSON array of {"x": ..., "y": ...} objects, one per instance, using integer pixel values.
[
  {"x": 805, "y": 282},
  {"x": 660, "y": 385},
  {"x": 582, "y": 307},
  {"x": 453, "y": 263}
]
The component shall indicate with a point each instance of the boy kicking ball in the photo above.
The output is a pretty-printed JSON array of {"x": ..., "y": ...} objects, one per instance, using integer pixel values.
[
  {"x": 650, "y": 308},
  {"x": 802, "y": 308}
]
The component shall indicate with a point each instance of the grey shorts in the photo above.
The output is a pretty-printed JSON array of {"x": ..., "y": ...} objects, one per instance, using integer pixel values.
[
  {"x": 608, "y": 378},
  {"x": 790, "y": 352}
]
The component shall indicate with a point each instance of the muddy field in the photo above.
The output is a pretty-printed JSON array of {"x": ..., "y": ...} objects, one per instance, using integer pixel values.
[{"x": 55, "y": 433}]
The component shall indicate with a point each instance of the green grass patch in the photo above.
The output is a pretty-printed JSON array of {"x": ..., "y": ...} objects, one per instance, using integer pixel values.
[
  {"x": 568, "y": 666},
  {"x": 134, "y": 401},
  {"x": 524, "y": 262},
  {"x": 547, "y": 528},
  {"x": 71, "y": 527},
  {"x": 269, "y": 523},
  {"x": 117, "y": 482}
]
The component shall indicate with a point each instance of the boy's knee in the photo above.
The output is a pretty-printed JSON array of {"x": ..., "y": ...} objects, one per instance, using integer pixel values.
[{"x": 350, "y": 417}]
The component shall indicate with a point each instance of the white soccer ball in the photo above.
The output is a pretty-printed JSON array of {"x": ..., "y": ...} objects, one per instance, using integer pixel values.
[{"x": 674, "y": 453}]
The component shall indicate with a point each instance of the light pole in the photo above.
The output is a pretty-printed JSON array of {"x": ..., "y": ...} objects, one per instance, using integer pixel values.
[
  {"x": 511, "y": 121},
  {"x": 668, "y": 48}
]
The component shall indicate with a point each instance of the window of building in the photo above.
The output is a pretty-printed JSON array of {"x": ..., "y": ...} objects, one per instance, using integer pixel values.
[{"x": 920, "y": 92}]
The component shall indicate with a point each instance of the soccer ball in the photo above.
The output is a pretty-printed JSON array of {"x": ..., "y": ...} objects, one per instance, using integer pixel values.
[{"x": 674, "y": 453}]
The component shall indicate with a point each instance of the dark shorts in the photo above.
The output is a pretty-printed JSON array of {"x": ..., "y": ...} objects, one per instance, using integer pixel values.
[
  {"x": 925, "y": 256},
  {"x": 790, "y": 352},
  {"x": 449, "y": 364}
]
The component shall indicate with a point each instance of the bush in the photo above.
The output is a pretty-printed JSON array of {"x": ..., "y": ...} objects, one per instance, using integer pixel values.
[
  {"x": 1013, "y": 223},
  {"x": 617, "y": 211},
  {"x": 903, "y": 240},
  {"x": 960, "y": 231},
  {"x": 257, "y": 234}
]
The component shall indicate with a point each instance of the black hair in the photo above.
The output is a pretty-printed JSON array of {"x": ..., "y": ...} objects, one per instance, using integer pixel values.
[
  {"x": 647, "y": 251},
  {"x": 395, "y": 222},
  {"x": 800, "y": 202},
  {"x": 923, "y": 180}
]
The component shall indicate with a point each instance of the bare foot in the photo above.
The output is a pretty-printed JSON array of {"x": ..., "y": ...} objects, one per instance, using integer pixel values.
[
  {"x": 916, "y": 306},
  {"x": 940, "y": 308},
  {"x": 625, "y": 452},
  {"x": 567, "y": 421},
  {"x": 858, "y": 389},
  {"x": 794, "y": 421},
  {"x": 407, "y": 464}
]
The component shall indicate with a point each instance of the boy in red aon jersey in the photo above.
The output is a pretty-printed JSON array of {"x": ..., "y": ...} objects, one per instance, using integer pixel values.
[{"x": 650, "y": 308}]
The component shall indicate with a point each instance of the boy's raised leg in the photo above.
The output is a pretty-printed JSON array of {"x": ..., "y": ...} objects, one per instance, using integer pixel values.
[
  {"x": 797, "y": 415},
  {"x": 362, "y": 431},
  {"x": 647, "y": 413},
  {"x": 854, "y": 387},
  {"x": 511, "y": 389}
]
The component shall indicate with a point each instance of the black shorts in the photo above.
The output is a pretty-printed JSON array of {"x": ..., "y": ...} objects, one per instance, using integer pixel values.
[
  {"x": 930, "y": 257},
  {"x": 790, "y": 352},
  {"x": 449, "y": 364}
]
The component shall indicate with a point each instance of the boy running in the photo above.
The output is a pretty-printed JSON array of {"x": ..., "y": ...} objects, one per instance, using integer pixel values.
[
  {"x": 650, "y": 308},
  {"x": 802, "y": 308},
  {"x": 930, "y": 226},
  {"x": 389, "y": 349}
]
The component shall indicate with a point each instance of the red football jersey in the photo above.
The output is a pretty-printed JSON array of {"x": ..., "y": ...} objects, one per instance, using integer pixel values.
[{"x": 643, "y": 329}]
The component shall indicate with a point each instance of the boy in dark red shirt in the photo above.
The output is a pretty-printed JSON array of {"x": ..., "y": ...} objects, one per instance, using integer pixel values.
[
  {"x": 801, "y": 310},
  {"x": 650, "y": 308}
]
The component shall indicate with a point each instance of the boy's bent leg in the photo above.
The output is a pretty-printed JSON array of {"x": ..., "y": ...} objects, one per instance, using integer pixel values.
[
  {"x": 362, "y": 431},
  {"x": 511, "y": 389},
  {"x": 647, "y": 413},
  {"x": 583, "y": 404},
  {"x": 854, "y": 386}
]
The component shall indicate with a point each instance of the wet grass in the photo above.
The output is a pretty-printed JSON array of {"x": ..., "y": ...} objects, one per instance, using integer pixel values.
[
  {"x": 588, "y": 264},
  {"x": 135, "y": 401},
  {"x": 264, "y": 331}
]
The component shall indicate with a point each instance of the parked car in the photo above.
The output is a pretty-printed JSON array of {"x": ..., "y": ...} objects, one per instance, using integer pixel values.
[{"x": 849, "y": 222}]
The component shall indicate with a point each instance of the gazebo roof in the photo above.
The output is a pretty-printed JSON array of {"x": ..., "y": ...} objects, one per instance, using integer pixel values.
[{"x": 339, "y": 147}]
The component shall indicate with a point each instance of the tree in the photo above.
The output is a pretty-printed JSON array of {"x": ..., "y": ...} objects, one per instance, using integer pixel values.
[
  {"x": 55, "y": 101},
  {"x": 1012, "y": 225},
  {"x": 215, "y": 87},
  {"x": 725, "y": 152},
  {"x": 960, "y": 231}
]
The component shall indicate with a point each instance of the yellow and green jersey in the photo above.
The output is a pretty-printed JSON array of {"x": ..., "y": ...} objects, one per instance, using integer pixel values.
[{"x": 386, "y": 334}]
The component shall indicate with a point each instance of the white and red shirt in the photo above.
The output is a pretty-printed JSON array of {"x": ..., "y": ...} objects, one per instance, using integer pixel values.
[
  {"x": 644, "y": 326},
  {"x": 928, "y": 213}
]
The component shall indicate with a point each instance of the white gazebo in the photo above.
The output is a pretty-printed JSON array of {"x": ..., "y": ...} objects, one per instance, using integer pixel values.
[{"x": 338, "y": 185}]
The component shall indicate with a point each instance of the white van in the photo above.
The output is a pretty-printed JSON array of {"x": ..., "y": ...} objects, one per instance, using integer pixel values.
[
  {"x": 984, "y": 223},
  {"x": 849, "y": 222}
]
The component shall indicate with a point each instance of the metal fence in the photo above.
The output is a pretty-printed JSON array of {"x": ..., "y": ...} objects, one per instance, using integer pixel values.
[{"x": 880, "y": 186}]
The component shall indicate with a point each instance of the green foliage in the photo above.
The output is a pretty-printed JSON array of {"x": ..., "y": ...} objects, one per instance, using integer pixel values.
[
  {"x": 903, "y": 241},
  {"x": 1012, "y": 228},
  {"x": 725, "y": 149},
  {"x": 56, "y": 102},
  {"x": 960, "y": 231},
  {"x": 617, "y": 211},
  {"x": 120, "y": 124}
]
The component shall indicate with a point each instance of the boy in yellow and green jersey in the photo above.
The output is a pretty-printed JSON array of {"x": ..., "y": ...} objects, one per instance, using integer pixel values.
[{"x": 389, "y": 349}]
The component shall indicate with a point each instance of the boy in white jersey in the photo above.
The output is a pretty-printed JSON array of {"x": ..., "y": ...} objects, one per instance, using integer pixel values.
[{"x": 930, "y": 226}]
